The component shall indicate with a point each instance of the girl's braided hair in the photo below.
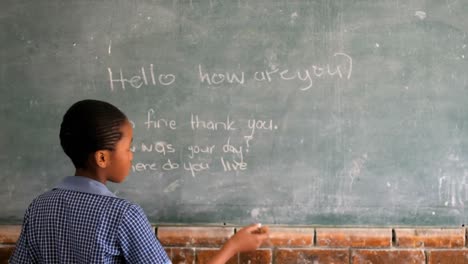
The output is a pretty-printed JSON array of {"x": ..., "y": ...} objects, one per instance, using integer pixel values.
[{"x": 89, "y": 126}]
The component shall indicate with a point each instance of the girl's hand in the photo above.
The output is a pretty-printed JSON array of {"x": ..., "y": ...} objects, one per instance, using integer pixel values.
[{"x": 247, "y": 239}]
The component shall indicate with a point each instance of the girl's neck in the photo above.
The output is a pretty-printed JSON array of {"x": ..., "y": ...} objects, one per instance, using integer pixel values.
[{"x": 91, "y": 174}]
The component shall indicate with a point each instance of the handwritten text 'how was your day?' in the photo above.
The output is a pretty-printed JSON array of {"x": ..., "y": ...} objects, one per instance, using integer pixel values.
[
  {"x": 340, "y": 67},
  {"x": 227, "y": 153}
]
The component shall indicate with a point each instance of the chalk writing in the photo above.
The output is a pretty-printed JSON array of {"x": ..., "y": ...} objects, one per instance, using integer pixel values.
[
  {"x": 195, "y": 167},
  {"x": 260, "y": 125},
  {"x": 233, "y": 165},
  {"x": 229, "y": 140},
  {"x": 198, "y": 123},
  {"x": 195, "y": 149},
  {"x": 159, "y": 123},
  {"x": 227, "y": 153},
  {"x": 339, "y": 67},
  {"x": 220, "y": 78},
  {"x": 138, "y": 80},
  {"x": 159, "y": 147}
]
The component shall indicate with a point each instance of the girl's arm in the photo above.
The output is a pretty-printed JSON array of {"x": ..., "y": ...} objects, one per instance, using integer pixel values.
[{"x": 247, "y": 239}]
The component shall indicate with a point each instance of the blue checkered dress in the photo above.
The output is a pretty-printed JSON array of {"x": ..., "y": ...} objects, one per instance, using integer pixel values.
[{"x": 81, "y": 221}]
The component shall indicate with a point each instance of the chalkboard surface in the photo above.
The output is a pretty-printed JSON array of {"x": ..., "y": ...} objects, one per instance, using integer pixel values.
[{"x": 345, "y": 112}]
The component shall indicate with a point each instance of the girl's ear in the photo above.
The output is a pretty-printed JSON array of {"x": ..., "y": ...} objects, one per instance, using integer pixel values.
[{"x": 102, "y": 158}]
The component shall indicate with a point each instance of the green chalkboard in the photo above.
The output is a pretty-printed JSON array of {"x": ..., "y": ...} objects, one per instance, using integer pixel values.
[{"x": 320, "y": 112}]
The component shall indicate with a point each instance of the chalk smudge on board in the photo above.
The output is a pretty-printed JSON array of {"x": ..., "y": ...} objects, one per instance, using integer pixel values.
[
  {"x": 172, "y": 187},
  {"x": 420, "y": 14}
]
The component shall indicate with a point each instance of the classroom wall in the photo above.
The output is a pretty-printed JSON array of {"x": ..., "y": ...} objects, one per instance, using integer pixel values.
[{"x": 295, "y": 245}]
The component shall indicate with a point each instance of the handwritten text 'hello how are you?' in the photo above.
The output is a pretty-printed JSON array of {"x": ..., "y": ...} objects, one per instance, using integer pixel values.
[{"x": 340, "y": 66}]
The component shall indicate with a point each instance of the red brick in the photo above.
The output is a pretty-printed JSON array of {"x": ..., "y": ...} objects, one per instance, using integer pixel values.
[
  {"x": 203, "y": 256},
  {"x": 9, "y": 234},
  {"x": 388, "y": 256},
  {"x": 290, "y": 237},
  {"x": 181, "y": 255},
  {"x": 441, "y": 238},
  {"x": 459, "y": 256},
  {"x": 5, "y": 252},
  {"x": 298, "y": 256},
  {"x": 354, "y": 237},
  {"x": 194, "y": 236},
  {"x": 261, "y": 256}
]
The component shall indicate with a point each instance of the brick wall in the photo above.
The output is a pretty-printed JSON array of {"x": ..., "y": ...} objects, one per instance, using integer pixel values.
[{"x": 196, "y": 245}]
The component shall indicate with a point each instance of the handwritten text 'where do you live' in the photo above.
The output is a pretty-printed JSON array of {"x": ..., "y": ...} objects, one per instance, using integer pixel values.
[{"x": 339, "y": 67}]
